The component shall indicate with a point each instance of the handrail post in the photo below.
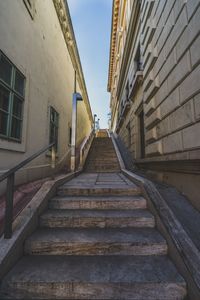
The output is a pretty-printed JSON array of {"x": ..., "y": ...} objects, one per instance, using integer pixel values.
[{"x": 9, "y": 207}]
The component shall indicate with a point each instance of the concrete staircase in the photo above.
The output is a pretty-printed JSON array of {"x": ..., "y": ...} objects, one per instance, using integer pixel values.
[
  {"x": 102, "y": 156},
  {"x": 97, "y": 240}
]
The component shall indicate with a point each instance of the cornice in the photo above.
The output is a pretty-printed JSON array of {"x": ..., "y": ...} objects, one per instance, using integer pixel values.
[
  {"x": 113, "y": 38},
  {"x": 135, "y": 12},
  {"x": 64, "y": 17}
]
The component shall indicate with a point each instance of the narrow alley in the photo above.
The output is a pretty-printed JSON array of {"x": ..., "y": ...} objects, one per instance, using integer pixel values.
[{"x": 100, "y": 149}]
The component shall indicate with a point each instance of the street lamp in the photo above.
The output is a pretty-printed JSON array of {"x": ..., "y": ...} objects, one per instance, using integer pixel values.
[
  {"x": 94, "y": 122},
  {"x": 76, "y": 97},
  {"x": 98, "y": 126}
]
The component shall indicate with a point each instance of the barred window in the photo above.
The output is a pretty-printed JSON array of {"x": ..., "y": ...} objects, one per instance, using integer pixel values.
[{"x": 12, "y": 91}]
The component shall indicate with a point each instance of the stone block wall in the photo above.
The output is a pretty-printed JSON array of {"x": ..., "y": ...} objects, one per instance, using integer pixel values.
[
  {"x": 168, "y": 34},
  {"x": 171, "y": 62}
]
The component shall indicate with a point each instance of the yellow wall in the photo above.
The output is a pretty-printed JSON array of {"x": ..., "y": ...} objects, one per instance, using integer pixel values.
[{"x": 38, "y": 49}]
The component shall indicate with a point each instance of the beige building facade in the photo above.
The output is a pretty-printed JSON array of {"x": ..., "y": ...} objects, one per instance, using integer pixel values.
[
  {"x": 38, "y": 60},
  {"x": 154, "y": 83}
]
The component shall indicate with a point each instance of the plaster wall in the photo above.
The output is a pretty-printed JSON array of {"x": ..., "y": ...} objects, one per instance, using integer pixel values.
[{"x": 38, "y": 49}]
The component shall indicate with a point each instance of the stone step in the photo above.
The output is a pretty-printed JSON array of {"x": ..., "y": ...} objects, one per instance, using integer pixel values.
[
  {"x": 89, "y": 170},
  {"x": 106, "y": 165},
  {"x": 94, "y": 277},
  {"x": 102, "y": 148},
  {"x": 106, "y": 202},
  {"x": 97, "y": 190},
  {"x": 99, "y": 157},
  {"x": 103, "y": 160},
  {"x": 105, "y": 183},
  {"x": 126, "y": 241},
  {"x": 96, "y": 219},
  {"x": 103, "y": 145},
  {"x": 98, "y": 151},
  {"x": 105, "y": 142},
  {"x": 101, "y": 169}
]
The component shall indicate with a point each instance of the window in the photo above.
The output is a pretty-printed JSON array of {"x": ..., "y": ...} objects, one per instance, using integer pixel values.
[
  {"x": 30, "y": 5},
  {"x": 138, "y": 60},
  {"x": 12, "y": 88},
  {"x": 70, "y": 135},
  {"x": 127, "y": 91},
  {"x": 53, "y": 130}
]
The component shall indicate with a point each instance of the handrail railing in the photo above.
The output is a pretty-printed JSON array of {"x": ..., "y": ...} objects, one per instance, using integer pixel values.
[
  {"x": 10, "y": 176},
  {"x": 84, "y": 147}
]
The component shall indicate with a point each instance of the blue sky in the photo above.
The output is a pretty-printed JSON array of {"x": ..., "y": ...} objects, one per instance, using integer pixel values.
[{"x": 92, "y": 24}]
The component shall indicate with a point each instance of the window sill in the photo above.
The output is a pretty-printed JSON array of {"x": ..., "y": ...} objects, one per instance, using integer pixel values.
[{"x": 12, "y": 145}]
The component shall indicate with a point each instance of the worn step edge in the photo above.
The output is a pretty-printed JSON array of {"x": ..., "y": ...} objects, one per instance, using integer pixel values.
[
  {"x": 98, "y": 191},
  {"x": 91, "y": 242},
  {"x": 78, "y": 219},
  {"x": 100, "y": 278},
  {"x": 67, "y": 248},
  {"x": 75, "y": 290},
  {"x": 97, "y": 203}
]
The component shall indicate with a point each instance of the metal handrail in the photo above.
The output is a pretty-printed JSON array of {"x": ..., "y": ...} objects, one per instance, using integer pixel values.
[
  {"x": 10, "y": 176},
  {"x": 84, "y": 145}
]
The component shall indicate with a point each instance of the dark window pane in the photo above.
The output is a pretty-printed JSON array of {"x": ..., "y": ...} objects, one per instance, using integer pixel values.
[
  {"x": 17, "y": 107},
  {"x": 53, "y": 127},
  {"x": 51, "y": 133},
  {"x": 19, "y": 83},
  {"x": 4, "y": 98},
  {"x": 16, "y": 128},
  {"x": 5, "y": 70},
  {"x": 3, "y": 123}
]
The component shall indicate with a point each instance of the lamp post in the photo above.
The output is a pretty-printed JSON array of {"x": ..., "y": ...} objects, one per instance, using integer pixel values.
[
  {"x": 98, "y": 126},
  {"x": 94, "y": 126},
  {"x": 76, "y": 97}
]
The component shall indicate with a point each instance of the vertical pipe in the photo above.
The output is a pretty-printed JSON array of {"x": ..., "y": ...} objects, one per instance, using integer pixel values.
[
  {"x": 73, "y": 141},
  {"x": 75, "y": 81},
  {"x": 73, "y": 137},
  {"x": 9, "y": 207}
]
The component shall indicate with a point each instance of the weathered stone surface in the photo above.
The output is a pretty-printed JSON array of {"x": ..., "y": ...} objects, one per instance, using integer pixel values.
[
  {"x": 191, "y": 136},
  {"x": 107, "y": 241},
  {"x": 96, "y": 241},
  {"x": 83, "y": 277},
  {"x": 173, "y": 143},
  {"x": 96, "y": 218},
  {"x": 96, "y": 202},
  {"x": 197, "y": 106},
  {"x": 98, "y": 190},
  {"x": 102, "y": 157}
]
